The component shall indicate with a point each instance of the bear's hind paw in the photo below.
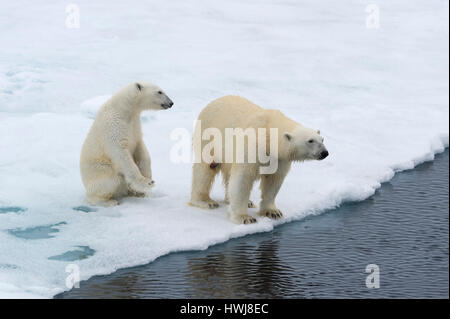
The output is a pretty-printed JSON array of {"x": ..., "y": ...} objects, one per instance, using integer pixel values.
[
  {"x": 251, "y": 204},
  {"x": 104, "y": 203},
  {"x": 211, "y": 204}
]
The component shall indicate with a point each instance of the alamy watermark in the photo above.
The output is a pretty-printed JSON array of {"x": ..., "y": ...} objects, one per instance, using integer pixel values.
[
  {"x": 373, "y": 279},
  {"x": 373, "y": 17},
  {"x": 73, "y": 16},
  {"x": 73, "y": 279},
  {"x": 234, "y": 145}
]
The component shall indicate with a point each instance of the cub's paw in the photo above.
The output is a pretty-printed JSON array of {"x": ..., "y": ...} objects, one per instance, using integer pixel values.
[
  {"x": 142, "y": 185},
  {"x": 133, "y": 193},
  {"x": 251, "y": 204},
  {"x": 103, "y": 202},
  {"x": 243, "y": 219},
  {"x": 110, "y": 203},
  {"x": 271, "y": 213},
  {"x": 148, "y": 182},
  {"x": 210, "y": 204}
]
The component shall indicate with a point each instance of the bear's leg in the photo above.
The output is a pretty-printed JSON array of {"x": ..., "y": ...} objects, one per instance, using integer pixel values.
[
  {"x": 226, "y": 182},
  {"x": 270, "y": 185},
  {"x": 226, "y": 179},
  {"x": 202, "y": 180},
  {"x": 142, "y": 160},
  {"x": 250, "y": 202},
  {"x": 104, "y": 189},
  {"x": 125, "y": 164},
  {"x": 240, "y": 185}
]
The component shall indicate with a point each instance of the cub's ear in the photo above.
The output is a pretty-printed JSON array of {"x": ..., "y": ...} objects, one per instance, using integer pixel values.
[
  {"x": 318, "y": 132},
  {"x": 139, "y": 86},
  {"x": 288, "y": 136}
]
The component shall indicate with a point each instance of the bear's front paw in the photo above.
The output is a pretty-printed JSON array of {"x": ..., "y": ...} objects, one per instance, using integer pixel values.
[
  {"x": 149, "y": 182},
  {"x": 243, "y": 219},
  {"x": 272, "y": 213}
]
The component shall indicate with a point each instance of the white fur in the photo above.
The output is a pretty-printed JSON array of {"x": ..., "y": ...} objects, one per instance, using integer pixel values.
[
  {"x": 114, "y": 160},
  {"x": 295, "y": 143}
]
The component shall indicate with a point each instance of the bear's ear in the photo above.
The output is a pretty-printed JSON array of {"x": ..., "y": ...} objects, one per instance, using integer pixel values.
[
  {"x": 318, "y": 132},
  {"x": 139, "y": 86},
  {"x": 288, "y": 136}
]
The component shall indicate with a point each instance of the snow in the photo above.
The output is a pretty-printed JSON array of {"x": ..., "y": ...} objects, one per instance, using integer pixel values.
[{"x": 379, "y": 97}]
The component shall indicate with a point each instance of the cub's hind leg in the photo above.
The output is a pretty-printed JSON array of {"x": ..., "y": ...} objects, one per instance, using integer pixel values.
[{"x": 104, "y": 186}]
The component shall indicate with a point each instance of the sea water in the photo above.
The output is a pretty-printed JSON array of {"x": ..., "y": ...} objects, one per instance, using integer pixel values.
[{"x": 402, "y": 230}]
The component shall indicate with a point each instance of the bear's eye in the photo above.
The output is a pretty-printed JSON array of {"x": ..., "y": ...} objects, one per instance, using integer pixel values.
[
  {"x": 159, "y": 92},
  {"x": 311, "y": 141}
]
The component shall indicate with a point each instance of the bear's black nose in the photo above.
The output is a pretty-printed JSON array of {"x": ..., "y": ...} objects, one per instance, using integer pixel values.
[
  {"x": 167, "y": 105},
  {"x": 323, "y": 154}
]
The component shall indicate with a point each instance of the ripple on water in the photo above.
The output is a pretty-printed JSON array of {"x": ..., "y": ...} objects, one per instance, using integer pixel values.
[{"x": 322, "y": 256}]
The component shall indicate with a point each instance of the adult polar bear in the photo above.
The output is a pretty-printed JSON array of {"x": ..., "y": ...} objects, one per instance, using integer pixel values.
[
  {"x": 114, "y": 160},
  {"x": 295, "y": 143}
]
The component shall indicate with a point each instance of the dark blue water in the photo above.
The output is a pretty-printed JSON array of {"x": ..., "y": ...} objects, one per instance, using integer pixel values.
[{"x": 403, "y": 229}]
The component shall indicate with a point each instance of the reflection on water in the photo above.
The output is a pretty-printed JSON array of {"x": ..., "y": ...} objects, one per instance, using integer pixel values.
[
  {"x": 224, "y": 275},
  {"x": 403, "y": 229}
]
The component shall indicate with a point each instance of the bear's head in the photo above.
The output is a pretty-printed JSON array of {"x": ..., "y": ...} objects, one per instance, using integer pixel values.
[
  {"x": 151, "y": 97},
  {"x": 304, "y": 144}
]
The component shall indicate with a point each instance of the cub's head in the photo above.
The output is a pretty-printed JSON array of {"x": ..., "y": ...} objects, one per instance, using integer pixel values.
[
  {"x": 151, "y": 97},
  {"x": 304, "y": 144}
]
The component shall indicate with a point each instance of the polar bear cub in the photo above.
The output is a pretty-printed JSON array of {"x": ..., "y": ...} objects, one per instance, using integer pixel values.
[
  {"x": 294, "y": 143},
  {"x": 114, "y": 160}
]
